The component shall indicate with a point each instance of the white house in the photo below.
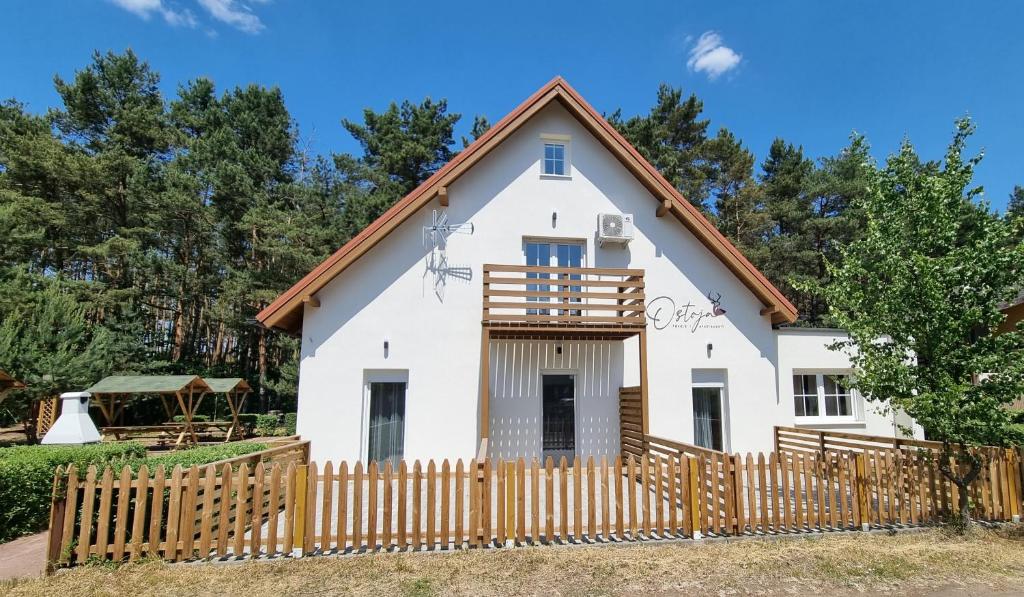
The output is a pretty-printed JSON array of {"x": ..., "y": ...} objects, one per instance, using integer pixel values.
[{"x": 515, "y": 292}]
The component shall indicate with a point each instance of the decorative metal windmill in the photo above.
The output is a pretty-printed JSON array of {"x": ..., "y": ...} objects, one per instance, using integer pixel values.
[
  {"x": 437, "y": 262},
  {"x": 439, "y": 231}
]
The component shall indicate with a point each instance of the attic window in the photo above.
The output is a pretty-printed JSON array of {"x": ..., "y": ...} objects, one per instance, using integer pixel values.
[{"x": 555, "y": 160}]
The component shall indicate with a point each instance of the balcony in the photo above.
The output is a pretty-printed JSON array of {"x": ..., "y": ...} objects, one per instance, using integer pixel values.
[{"x": 523, "y": 301}]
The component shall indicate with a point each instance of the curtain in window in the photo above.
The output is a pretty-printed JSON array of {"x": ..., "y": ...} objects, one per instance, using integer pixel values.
[
  {"x": 707, "y": 418},
  {"x": 387, "y": 422}
]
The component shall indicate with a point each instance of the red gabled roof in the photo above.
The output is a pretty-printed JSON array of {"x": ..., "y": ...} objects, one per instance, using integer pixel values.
[{"x": 286, "y": 311}]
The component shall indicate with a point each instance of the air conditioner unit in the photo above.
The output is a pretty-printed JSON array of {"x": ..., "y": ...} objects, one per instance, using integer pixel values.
[{"x": 615, "y": 229}]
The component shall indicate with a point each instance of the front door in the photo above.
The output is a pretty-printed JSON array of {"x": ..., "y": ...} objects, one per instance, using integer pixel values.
[{"x": 559, "y": 416}]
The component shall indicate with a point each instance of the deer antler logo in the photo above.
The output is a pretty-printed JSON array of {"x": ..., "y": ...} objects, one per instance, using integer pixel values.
[{"x": 716, "y": 304}]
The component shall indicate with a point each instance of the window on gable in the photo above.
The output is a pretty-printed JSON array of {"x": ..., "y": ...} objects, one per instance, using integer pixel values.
[
  {"x": 554, "y": 159},
  {"x": 811, "y": 391}
]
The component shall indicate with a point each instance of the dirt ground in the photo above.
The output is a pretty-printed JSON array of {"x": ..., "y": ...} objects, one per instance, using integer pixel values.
[{"x": 988, "y": 562}]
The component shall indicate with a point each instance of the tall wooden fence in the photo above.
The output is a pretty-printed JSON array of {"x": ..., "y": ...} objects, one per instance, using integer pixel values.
[{"x": 672, "y": 491}]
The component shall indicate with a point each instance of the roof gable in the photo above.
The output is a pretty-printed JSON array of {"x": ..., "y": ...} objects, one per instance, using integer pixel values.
[{"x": 285, "y": 312}]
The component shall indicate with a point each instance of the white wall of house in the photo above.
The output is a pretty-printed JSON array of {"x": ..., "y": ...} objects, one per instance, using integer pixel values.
[
  {"x": 806, "y": 351},
  {"x": 434, "y": 337}
]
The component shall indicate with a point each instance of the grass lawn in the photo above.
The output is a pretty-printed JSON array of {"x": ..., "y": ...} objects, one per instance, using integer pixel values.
[{"x": 987, "y": 562}]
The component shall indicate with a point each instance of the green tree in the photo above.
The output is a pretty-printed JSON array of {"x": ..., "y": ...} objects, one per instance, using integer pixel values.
[
  {"x": 739, "y": 210},
  {"x": 834, "y": 188},
  {"x": 1015, "y": 213},
  {"x": 919, "y": 295},
  {"x": 402, "y": 146},
  {"x": 786, "y": 179},
  {"x": 672, "y": 138},
  {"x": 480, "y": 126},
  {"x": 50, "y": 344}
]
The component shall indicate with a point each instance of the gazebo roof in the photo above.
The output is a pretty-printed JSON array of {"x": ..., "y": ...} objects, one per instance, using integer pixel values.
[
  {"x": 223, "y": 385},
  {"x": 147, "y": 384},
  {"x": 7, "y": 382}
]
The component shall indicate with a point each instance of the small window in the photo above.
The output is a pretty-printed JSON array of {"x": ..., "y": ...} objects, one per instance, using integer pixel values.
[
  {"x": 811, "y": 391},
  {"x": 554, "y": 159}
]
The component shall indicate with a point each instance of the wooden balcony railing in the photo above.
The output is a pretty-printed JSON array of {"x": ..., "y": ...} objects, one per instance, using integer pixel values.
[{"x": 580, "y": 298}]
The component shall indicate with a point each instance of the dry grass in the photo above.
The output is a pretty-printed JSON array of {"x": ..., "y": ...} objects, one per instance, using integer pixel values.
[{"x": 849, "y": 563}]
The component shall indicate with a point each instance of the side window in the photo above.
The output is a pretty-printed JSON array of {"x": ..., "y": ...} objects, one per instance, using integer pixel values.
[{"x": 822, "y": 395}]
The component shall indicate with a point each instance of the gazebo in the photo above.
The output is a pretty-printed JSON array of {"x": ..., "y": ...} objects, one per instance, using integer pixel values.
[
  {"x": 235, "y": 389},
  {"x": 111, "y": 395},
  {"x": 8, "y": 383}
]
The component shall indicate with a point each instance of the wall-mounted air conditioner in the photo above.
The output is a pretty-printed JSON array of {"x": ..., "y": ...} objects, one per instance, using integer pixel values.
[{"x": 614, "y": 229}]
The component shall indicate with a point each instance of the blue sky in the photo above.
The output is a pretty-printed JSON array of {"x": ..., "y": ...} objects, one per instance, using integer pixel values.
[{"x": 805, "y": 71}]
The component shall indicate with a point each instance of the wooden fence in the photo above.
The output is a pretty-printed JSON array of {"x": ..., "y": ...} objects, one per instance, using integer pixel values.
[
  {"x": 673, "y": 491},
  {"x": 107, "y": 514},
  {"x": 996, "y": 494}
]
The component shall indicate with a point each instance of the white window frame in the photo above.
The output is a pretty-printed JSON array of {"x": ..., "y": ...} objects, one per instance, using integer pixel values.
[
  {"x": 563, "y": 140},
  {"x": 856, "y": 411},
  {"x": 380, "y": 376},
  {"x": 710, "y": 379},
  {"x": 553, "y": 243}
]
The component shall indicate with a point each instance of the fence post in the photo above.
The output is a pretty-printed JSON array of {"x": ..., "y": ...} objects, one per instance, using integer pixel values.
[
  {"x": 1013, "y": 481},
  {"x": 821, "y": 443},
  {"x": 58, "y": 502},
  {"x": 299, "y": 516},
  {"x": 776, "y": 434},
  {"x": 863, "y": 491},
  {"x": 695, "y": 512}
]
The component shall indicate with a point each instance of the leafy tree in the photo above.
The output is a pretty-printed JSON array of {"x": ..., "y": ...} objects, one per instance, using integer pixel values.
[{"x": 919, "y": 295}]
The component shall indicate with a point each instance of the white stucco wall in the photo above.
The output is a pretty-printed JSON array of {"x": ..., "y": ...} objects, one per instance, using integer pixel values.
[
  {"x": 806, "y": 350},
  {"x": 388, "y": 294}
]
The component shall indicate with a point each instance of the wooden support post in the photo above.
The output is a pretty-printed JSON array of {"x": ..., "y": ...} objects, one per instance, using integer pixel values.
[
  {"x": 643, "y": 385},
  {"x": 485, "y": 383},
  {"x": 299, "y": 515}
]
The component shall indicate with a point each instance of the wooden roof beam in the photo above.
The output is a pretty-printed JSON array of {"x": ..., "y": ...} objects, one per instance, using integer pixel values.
[
  {"x": 663, "y": 208},
  {"x": 442, "y": 195},
  {"x": 312, "y": 301}
]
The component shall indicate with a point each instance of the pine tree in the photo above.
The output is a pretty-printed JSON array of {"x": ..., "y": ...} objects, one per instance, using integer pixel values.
[
  {"x": 739, "y": 210},
  {"x": 402, "y": 146},
  {"x": 672, "y": 137}
]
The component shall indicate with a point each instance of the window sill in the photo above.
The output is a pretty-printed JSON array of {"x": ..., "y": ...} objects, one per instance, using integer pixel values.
[
  {"x": 828, "y": 421},
  {"x": 556, "y": 176}
]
